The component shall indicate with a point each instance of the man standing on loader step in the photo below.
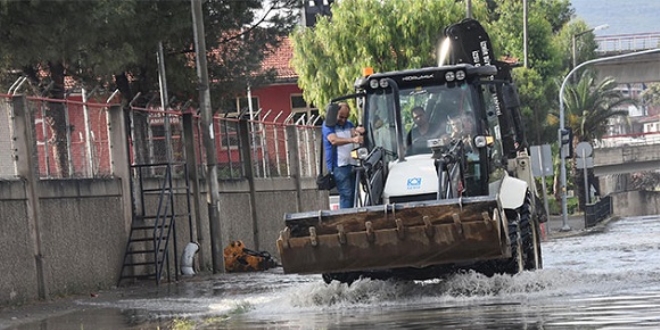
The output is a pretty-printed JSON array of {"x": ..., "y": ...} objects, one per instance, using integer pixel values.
[{"x": 338, "y": 143}]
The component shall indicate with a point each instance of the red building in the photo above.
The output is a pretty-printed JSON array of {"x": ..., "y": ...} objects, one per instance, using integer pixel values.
[{"x": 283, "y": 96}]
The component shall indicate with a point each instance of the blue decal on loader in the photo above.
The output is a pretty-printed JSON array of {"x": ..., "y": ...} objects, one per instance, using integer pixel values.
[{"x": 414, "y": 183}]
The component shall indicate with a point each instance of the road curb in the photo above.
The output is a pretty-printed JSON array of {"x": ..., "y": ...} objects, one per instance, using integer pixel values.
[{"x": 599, "y": 227}]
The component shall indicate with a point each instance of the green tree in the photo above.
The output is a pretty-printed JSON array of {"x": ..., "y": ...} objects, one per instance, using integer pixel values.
[
  {"x": 585, "y": 45},
  {"x": 43, "y": 36},
  {"x": 589, "y": 104},
  {"x": 113, "y": 44},
  {"x": 385, "y": 35},
  {"x": 538, "y": 93},
  {"x": 400, "y": 34},
  {"x": 507, "y": 32},
  {"x": 651, "y": 95}
]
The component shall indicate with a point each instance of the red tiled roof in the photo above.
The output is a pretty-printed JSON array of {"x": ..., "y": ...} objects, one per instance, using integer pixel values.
[{"x": 279, "y": 60}]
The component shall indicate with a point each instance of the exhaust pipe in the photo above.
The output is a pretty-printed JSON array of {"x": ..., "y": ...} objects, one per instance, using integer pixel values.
[{"x": 187, "y": 258}]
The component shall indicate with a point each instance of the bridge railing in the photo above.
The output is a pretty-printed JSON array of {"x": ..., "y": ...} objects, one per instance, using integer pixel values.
[
  {"x": 636, "y": 139},
  {"x": 627, "y": 42}
]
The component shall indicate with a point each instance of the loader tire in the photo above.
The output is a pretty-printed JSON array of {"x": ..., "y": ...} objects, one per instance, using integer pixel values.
[
  {"x": 530, "y": 233},
  {"x": 347, "y": 278},
  {"x": 516, "y": 263}
]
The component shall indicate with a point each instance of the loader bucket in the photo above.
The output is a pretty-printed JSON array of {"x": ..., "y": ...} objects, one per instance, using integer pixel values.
[{"x": 412, "y": 234}]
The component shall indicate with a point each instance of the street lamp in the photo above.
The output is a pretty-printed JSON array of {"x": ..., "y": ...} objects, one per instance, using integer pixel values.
[
  {"x": 575, "y": 36},
  {"x": 562, "y": 127}
]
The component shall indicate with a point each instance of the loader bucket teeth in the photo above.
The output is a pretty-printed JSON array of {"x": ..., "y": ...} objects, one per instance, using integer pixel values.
[{"x": 421, "y": 234}]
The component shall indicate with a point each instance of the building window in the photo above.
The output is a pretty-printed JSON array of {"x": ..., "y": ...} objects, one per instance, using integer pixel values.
[
  {"x": 229, "y": 134},
  {"x": 242, "y": 104},
  {"x": 229, "y": 129},
  {"x": 238, "y": 105},
  {"x": 305, "y": 112}
]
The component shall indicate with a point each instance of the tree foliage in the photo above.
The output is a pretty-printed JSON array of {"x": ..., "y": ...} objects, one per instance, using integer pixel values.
[
  {"x": 399, "y": 34},
  {"x": 385, "y": 35},
  {"x": 588, "y": 107},
  {"x": 538, "y": 93},
  {"x": 114, "y": 43},
  {"x": 589, "y": 104},
  {"x": 651, "y": 94}
]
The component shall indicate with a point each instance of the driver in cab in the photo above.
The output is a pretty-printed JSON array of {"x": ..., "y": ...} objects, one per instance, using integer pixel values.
[{"x": 421, "y": 132}]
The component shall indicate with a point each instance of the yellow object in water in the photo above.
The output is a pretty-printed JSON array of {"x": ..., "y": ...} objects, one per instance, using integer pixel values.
[{"x": 240, "y": 259}]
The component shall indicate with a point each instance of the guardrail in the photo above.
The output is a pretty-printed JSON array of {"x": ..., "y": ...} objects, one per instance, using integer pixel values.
[{"x": 627, "y": 42}]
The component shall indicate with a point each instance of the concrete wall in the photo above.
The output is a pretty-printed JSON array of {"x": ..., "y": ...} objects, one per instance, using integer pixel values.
[
  {"x": 7, "y": 169},
  {"x": 19, "y": 276},
  {"x": 636, "y": 203},
  {"x": 81, "y": 237},
  {"x": 83, "y": 234},
  {"x": 69, "y": 235}
]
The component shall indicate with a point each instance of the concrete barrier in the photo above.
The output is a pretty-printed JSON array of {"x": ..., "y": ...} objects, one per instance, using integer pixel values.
[{"x": 636, "y": 203}]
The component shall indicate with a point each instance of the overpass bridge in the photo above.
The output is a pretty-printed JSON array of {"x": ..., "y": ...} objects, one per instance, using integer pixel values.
[
  {"x": 624, "y": 154},
  {"x": 627, "y": 154},
  {"x": 638, "y": 69}
]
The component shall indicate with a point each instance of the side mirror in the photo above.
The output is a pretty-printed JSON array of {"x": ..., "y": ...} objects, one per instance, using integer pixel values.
[{"x": 331, "y": 114}]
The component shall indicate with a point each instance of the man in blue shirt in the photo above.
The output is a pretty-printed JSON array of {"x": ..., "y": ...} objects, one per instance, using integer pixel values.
[{"x": 338, "y": 142}]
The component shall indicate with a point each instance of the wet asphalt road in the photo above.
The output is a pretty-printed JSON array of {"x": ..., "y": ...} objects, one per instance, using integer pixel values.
[{"x": 606, "y": 279}]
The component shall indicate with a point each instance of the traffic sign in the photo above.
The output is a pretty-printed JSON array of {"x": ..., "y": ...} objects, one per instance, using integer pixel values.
[
  {"x": 541, "y": 157},
  {"x": 584, "y": 149}
]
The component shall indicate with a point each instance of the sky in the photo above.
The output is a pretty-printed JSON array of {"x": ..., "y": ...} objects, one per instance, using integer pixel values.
[{"x": 622, "y": 16}]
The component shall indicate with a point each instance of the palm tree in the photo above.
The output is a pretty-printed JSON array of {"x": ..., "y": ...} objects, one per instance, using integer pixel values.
[{"x": 588, "y": 106}]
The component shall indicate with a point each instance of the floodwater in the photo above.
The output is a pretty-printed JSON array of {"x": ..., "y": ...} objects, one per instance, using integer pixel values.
[{"x": 605, "y": 280}]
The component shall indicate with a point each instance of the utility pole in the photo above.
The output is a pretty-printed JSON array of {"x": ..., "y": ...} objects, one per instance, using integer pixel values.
[
  {"x": 525, "y": 37},
  {"x": 213, "y": 194},
  {"x": 164, "y": 102}
]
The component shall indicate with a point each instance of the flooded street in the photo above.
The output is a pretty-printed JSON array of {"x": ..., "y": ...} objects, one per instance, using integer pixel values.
[{"x": 605, "y": 280}]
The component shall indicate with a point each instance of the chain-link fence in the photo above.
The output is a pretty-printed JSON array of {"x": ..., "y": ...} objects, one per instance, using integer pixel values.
[
  {"x": 269, "y": 142},
  {"x": 73, "y": 141},
  {"x": 71, "y": 137}
]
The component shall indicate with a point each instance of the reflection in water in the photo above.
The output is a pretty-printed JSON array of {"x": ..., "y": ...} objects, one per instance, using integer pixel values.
[
  {"x": 609, "y": 280},
  {"x": 97, "y": 319}
]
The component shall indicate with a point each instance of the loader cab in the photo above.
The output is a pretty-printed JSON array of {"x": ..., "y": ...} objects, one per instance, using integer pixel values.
[
  {"x": 457, "y": 103},
  {"x": 427, "y": 112}
]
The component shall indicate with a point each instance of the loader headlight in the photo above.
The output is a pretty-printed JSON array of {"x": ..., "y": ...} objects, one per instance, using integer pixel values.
[
  {"x": 460, "y": 75},
  {"x": 373, "y": 83},
  {"x": 383, "y": 83},
  {"x": 483, "y": 141},
  {"x": 449, "y": 76}
]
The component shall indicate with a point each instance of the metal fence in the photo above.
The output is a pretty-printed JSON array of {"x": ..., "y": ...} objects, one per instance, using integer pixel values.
[
  {"x": 73, "y": 141},
  {"x": 637, "y": 139},
  {"x": 71, "y": 137},
  {"x": 270, "y": 146},
  {"x": 627, "y": 42},
  {"x": 597, "y": 212}
]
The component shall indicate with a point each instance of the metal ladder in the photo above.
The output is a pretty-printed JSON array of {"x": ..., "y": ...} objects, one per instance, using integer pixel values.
[{"x": 147, "y": 253}]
